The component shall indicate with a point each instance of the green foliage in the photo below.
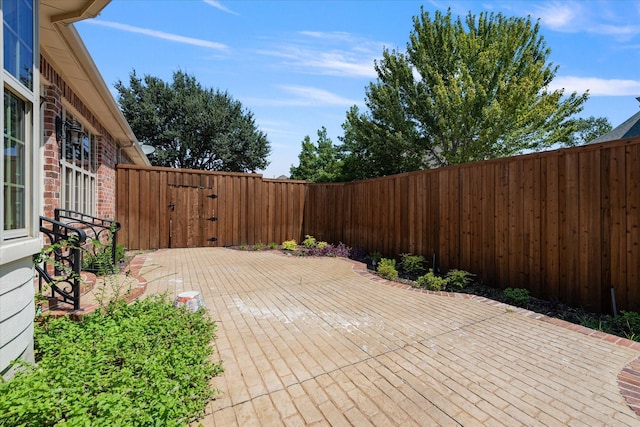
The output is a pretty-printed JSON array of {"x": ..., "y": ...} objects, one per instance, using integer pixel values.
[
  {"x": 387, "y": 268},
  {"x": 289, "y": 245},
  {"x": 458, "y": 279},
  {"x": 518, "y": 296},
  {"x": 321, "y": 245},
  {"x": 192, "y": 127},
  {"x": 376, "y": 257},
  {"x": 464, "y": 90},
  {"x": 318, "y": 163},
  {"x": 309, "y": 242},
  {"x": 120, "y": 249},
  {"x": 412, "y": 264},
  {"x": 432, "y": 281},
  {"x": 258, "y": 246},
  {"x": 143, "y": 364},
  {"x": 273, "y": 245},
  {"x": 586, "y": 130}
]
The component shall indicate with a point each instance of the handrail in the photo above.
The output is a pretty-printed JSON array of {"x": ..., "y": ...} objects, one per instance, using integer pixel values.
[
  {"x": 98, "y": 226},
  {"x": 67, "y": 261}
]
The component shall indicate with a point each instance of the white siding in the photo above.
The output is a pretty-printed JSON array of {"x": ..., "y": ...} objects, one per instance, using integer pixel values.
[{"x": 17, "y": 311}]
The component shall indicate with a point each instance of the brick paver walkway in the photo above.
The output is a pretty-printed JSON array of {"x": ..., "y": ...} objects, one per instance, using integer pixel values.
[{"x": 308, "y": 341}]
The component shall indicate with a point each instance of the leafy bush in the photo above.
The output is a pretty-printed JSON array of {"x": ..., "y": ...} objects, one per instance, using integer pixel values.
[
  {"x": 387, "y": 268},
  {"x": 273, "y": 245},
  {"x": 289, "y": 245},
  {"x": 432, "y": 281},
  {"x": 518, "y": 296},
  {"x": 412, "y": 264},
  {"x": 258, "y": 246},
  {"x": 458, "y": 279},
  {"x": 142, "y": 364},
  {"x": 326, "y": 249},
  {"x": 309, "y": 242}
]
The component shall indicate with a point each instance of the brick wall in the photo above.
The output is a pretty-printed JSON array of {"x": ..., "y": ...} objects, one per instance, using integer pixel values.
[{"x": 55, "y": 91}]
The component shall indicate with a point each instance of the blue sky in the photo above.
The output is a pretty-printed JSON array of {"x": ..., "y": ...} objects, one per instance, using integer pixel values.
[{"x": 300, "y": 65}]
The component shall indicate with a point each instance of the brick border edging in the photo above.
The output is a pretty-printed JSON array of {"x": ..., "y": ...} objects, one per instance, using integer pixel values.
[
  {"x": 132, "y": 271},
  {"x": 628, "y": 378}
]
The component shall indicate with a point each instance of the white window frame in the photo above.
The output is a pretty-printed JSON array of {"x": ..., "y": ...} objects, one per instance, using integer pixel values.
[
  {"x": 27, "y": 238},
  {"x": 78, "y": 175}
]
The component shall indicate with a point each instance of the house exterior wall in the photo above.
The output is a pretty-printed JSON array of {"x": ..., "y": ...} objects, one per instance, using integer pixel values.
[
  {"x": 17, "y": 307},
  {"x": 16, "y": 314},
  {"x": 58, "y": 95}
]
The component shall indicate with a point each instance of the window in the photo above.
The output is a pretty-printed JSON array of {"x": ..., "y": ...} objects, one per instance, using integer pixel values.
[
  {"x": 19, "y": 97},
  {"x": 14, "y": 162},
  {"x": 78, "y": 163},
  {"x": 18, "y": 40}
]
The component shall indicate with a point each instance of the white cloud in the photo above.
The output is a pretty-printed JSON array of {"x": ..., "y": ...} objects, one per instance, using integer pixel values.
[
  {"x": 597, "y": 86},
  {"x": 303, "y": 96},
  {"x": 329, "y": 53},
  {"x": 559, "y": 16},
  {"x": 160, "y": 35},
  {"x": 219, "y": 6}
]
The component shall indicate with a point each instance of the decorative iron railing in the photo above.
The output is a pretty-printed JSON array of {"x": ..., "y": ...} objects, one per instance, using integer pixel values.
[
  {"x": 103, "y": 233},
  {"x": 59, "y": 267}
]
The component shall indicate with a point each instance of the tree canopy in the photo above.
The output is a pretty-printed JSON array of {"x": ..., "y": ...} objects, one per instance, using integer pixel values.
[
  {"x": 192, "y": 127},
  {"x": 463, "y": 91},
  {"x": 318, "y": 163},
  {"x": 586, "y": 130}
]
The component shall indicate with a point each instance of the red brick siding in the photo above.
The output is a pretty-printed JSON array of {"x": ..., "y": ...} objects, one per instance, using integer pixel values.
[{"x": 107, "y": 149}]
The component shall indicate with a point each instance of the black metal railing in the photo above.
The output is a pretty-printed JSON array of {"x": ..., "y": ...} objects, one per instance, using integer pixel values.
[
  {"x": 60, "y": 263},
  {"x": 103, "y": 233}
]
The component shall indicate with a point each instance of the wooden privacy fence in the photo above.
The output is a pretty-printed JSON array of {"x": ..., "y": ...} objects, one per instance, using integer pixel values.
[
  {"x": 562, "y": 224},
  {"x": 177, "y": 208}
]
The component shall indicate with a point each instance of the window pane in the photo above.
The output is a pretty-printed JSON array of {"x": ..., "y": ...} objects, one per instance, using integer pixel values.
[
  {"x": 18, "y": 39},
  {"x": 14, "y": 162}
]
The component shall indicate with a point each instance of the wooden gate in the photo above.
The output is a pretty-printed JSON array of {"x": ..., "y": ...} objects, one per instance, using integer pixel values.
[{"x": 191, "y": 213}]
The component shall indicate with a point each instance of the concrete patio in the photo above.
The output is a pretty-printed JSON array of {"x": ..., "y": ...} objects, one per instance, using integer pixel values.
[{"x": 318, "y": 341}]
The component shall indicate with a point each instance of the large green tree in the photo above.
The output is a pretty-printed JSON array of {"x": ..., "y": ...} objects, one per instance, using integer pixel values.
[
  {"x": 464, "y": 90},
  {"x": 192, "y": 127},
  {"x": 318, "y": 162},
  {"x": 586, "y": 130}
]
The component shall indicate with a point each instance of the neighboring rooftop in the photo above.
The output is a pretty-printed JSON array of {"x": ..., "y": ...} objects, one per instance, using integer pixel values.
[{"x": 629, "y": 129}]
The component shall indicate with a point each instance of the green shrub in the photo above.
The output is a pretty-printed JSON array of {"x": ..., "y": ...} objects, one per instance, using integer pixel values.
[
  {"x": 375, "y": 257},
  {"x": 518, "y": 296},
  {"x": 289, "y": 245},
  {"x": 458, "y": 279},
  {"x": 387, "y": 268},
  {"x": 412, "y": 264},
  {"x": 309, "y": 242},
  {"x": 142, "y": 364},
  {"x": 321, "y": 245},
  {"x": 273, "y": 245},
  {"x": 258, "y": 246},
  {"x": 431, "y": 281}
]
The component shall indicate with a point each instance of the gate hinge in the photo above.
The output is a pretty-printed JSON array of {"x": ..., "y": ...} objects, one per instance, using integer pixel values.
[
  {"x": 212, "y": 218},
  {"x": 212, "y": 239},
  {"x": 212, "y": 196}
]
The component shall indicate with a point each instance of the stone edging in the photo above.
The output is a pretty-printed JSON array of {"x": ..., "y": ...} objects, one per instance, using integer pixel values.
[{"x": 628, "y": 378}]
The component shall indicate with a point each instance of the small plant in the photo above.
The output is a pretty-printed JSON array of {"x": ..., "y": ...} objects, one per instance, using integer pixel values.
[
  {"x": 289, "y": 245},
  {"x": 243, "y": 247},
  {"x": 412, "y": 264},
  {"x": 321, "y": 245},
  {"x": 431, "y": 281},
  {"x": 458, "y": 279},
  {"x": 258, "y": 246},
  {"x": 375, "y": 258},
  {"x": 273, "y": 245},
  {"x": 147, "y": 363},
  {"x": 516, "y": 296},
  {"x": 309, "y": 242},
  {"x": 387, "y": 268}
]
